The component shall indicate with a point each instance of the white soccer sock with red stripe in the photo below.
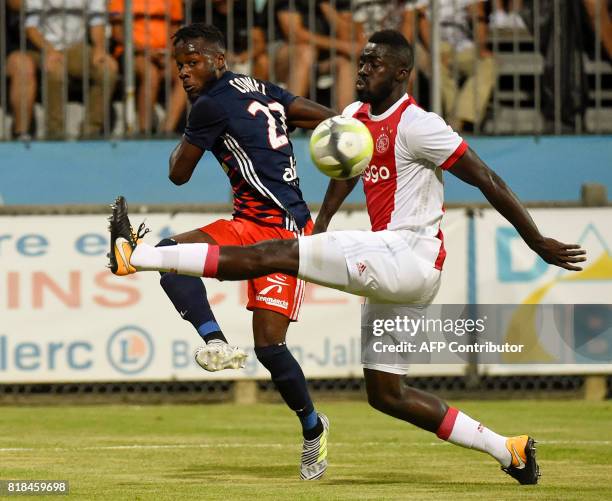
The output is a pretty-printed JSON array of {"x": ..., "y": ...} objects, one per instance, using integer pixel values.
[
  {"x": 186, "y": 259},
  {"x": 460, "y": 429}
]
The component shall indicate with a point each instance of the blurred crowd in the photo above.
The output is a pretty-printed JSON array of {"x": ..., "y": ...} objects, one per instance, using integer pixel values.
[{"x": 54, "y": 50}]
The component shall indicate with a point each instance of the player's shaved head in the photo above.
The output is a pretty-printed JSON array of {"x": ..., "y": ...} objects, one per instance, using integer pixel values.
[
  {"x": 199, "y": 51},
  {"x": 198, "y": 35},
  {"x": 399, "y": 48},
  {"x": 384, "y": 69}
]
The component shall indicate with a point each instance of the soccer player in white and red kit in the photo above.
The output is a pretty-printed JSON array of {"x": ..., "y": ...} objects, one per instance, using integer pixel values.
[{"x": 401, "y": 259}]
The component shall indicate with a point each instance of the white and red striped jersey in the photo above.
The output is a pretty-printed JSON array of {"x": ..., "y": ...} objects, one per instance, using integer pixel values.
[{"x": 403, "y": 184}]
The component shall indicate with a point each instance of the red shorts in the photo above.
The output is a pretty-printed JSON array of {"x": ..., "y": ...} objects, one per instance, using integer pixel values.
[{"x": 277, "y": 292}]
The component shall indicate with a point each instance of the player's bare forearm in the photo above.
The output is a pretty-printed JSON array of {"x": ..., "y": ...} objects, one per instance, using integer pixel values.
[
  {"x": 183, "y": 161},
  {"x": 307, "y": 114},
  {"x": 471, "y": 169},
  {"x": 336, "y": 193}
]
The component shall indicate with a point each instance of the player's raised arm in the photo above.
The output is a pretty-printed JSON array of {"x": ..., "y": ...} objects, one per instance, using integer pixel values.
[
  {"x": 307, "y": 114},
  {"x": 336, "y": 193},
  {"x": 471, "y": 169}
]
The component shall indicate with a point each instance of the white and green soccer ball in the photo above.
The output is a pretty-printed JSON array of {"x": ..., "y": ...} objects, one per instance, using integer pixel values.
[{"x": 341, "y": 147}]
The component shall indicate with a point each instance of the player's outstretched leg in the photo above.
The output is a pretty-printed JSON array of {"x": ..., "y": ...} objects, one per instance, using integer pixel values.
[
  {"x": 516, "y": 455},
  {"x": 123, "y": 239},
  {"x": 226, "y": 262},
  {"x": 184, "y": 291}
]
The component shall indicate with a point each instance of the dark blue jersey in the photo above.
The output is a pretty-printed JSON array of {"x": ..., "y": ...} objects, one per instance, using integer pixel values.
[{"x": 242, "y": 121}]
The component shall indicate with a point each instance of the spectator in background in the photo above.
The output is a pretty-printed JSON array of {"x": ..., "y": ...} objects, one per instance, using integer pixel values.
[
  {"x": 465, "y": 104},
  {"x": 414, "y": 10},
  {"x": 305, "y": 46},
  {"x": 507, "y": 16},
  {"x": 376, "y": 15},
  {"x": 565, "y": 86},
  {"x": 237, "y": 55},
  {"x": 21, "y": 73},
  {"x": 600, "y": 18},
  {"x": 154, "y": 23},
  {"x": 57, "y": 29}
]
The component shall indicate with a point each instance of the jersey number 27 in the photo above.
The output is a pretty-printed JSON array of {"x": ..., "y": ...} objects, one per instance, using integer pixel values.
[{"x": 276, "y": 140}]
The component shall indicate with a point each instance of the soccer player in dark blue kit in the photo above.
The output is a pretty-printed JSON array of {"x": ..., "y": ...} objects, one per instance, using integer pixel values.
[{"x": 244, "y": 123}]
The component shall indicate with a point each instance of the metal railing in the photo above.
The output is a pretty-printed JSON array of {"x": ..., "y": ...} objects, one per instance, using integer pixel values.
[{"x": 94, "y": 73}]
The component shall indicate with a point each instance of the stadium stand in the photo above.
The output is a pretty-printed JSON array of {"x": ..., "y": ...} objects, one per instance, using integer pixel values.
[{"x": 515, "y": 108}]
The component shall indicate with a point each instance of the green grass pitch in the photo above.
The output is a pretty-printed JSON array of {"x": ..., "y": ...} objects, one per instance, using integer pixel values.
[{"x": 229, "y": 452}]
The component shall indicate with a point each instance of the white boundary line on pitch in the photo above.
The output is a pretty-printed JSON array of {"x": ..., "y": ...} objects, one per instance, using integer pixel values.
[
  {"x": 141, "y": 446},
  {"x": 263, "y": 446}
]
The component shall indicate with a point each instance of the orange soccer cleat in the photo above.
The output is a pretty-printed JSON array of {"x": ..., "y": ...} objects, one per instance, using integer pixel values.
[
  {"x": 523, "y": 466},
  {"x": 123, "y": 239}
]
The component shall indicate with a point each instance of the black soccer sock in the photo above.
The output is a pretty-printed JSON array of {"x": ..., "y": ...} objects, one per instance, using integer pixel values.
[
  {"x": 289, "y": 379},
  {"x": 188, "y": 295}
]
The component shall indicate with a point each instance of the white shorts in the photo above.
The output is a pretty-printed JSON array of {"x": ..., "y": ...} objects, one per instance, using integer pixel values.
[{"x": 383, "y": 266}]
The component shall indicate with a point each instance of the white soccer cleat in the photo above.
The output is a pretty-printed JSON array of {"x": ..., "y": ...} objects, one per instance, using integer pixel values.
[
  {"x": 314, "y": 453},
  {"x": 218, "y": 355}
]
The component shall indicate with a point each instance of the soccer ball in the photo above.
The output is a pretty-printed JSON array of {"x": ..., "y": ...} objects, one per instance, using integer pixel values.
[{"x": 341, "y": 147}]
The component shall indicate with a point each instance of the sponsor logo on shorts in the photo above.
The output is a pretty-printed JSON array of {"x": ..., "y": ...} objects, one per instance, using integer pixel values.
[
  {"x": 278, "y": 282},
  {"x": 272, "y": 301}
]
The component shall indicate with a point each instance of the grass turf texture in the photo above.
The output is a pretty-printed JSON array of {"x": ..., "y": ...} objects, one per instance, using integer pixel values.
[{"x": 227, "y": 452}]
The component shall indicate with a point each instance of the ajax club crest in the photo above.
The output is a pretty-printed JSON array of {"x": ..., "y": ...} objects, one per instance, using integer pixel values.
[{"x": 383, "y": 141}]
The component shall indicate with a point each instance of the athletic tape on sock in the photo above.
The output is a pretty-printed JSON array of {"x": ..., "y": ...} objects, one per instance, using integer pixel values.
[
  {"x": 447, "y": 424},
  {"x": 211, "y": 262}
]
